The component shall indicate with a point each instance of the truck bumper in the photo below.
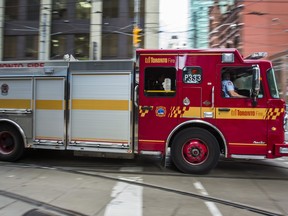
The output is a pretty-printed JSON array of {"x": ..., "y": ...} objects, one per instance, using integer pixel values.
[{"x": 281, "y": 150}]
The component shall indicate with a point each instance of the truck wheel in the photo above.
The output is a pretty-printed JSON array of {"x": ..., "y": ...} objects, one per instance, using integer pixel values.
[
  {"x": 11, "y": 143},
  {"x": 195, "y": 150}
]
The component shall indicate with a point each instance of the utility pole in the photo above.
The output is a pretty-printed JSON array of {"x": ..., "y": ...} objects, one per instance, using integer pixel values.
[
  {"x": 44, "y": 38},
  {"x": 136, "y": 29},
  {"x": 136, "y": 13}
]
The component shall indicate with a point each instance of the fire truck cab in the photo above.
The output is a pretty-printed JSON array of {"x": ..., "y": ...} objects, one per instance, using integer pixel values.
[
  {"x": 176, "y": 101},
  {"x": 192, "y": 115}
]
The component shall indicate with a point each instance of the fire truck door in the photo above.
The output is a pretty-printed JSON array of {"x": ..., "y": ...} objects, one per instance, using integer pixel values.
[
  {"x": 100, "y": 112},
  {"x": 49, "y": 104},
  {"x": 158, "y": 97},
  {"x": 242, "y": 124}
]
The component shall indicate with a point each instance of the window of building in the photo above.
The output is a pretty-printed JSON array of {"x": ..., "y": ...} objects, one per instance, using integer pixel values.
[
  {"x": 33, "y": 9},
  {"x": 160, "y": 81},
  {"x": 111, "y": 8},
  {"x": 11, "y": 9},
  {"x": 59, "y": 9},
  {"x": 83, "y": 9},
  {"x": 58, "y": 46},
  {"x": 10, "y": 47},
  {"x": 81, "y": 49},
  {"x": 76, "y": 45},
  {"x": 109, "y": 46},
  {"x": 31, "y": 50},
  {"x": 131, "y": 8}
]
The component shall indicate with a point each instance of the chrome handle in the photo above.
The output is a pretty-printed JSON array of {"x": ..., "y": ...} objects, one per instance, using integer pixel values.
[
  {"x": 224, "y": 109},
  {"x": 135, "y": 95}
]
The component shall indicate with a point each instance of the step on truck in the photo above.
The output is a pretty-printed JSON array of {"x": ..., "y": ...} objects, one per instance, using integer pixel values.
[{"x": 163, "y": 102}]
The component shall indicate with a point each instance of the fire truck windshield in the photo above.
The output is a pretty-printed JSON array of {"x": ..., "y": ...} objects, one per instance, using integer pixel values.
[{"x": 272, "y": 83}]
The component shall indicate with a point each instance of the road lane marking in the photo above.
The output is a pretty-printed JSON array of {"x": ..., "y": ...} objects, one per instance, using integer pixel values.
[
  {"x": 131, "y": 169},
  {"x": 127, "y": 199},
  {"x": 210, "y": 205}
]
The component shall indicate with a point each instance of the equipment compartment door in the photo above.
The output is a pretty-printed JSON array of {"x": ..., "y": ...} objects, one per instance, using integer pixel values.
[
  {"x": 49, "y": 105},
  {"x": 100, "y": 112}
]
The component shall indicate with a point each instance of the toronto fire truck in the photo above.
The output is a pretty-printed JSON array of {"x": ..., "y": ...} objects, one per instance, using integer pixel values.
[{"x": 164, "y": 101}]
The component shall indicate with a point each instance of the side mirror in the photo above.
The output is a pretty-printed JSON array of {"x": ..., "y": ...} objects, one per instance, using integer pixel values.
[{"x": 255, "y": 84}]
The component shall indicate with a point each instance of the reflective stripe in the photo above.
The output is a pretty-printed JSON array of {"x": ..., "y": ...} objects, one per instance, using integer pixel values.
[
  {"x": 231, "y": 113},
  {"x": 49, "y": 104},
  {"x": 249, "y": 144},
  {"x": 100, "y": 104},
  {"x": 15, "y": 103}
]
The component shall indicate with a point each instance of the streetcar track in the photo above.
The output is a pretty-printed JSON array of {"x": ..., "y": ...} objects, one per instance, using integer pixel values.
[
  {"x": 40, "y": 204},
  {"x": 180, "y": 192},
  {"x": 147, "y": 185},
  {"x": 162, "y": 172}
]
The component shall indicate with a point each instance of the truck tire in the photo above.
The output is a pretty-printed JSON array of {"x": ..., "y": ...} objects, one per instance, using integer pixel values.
[
  {"x": 195, "y": 151},
  {"x": 11, "y": 143}
]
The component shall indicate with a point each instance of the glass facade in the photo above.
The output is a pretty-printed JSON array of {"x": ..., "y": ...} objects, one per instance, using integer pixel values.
[
  {"x": 11, "y": 9},
  {"x": 81, "y": 46},
  {"x": 10, "y": 49},
  {"x": 83, "y": 9},
  {"x": 33, "y": 9},
  {"x": 110, "y": 46},
  {"x": 20, "y": 39},
  {"x": 59, "y": 9},
  {"x": 75, "y": 44},
  {"x": 110, "y": 9},
  {"x": 70, "y": 29},
  {"x": 58, "y": 46},
  {"x": 31, "y": 43},
  {"x": 198, "y": 34}
]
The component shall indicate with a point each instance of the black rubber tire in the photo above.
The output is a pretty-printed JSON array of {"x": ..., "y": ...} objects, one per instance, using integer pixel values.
[
  {"x": 11, "y": 143},
  {"x": 201, "y": 136}
]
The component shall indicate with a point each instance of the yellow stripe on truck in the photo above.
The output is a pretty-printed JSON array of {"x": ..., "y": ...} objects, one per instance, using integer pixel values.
[
  {"x": 242, "y": 113},
  {"x": 49, "y": 104},
  {"x": 226, "y": 113},
  {"x": 15, "y": 103},
  {"x": 80, "y": 104}
]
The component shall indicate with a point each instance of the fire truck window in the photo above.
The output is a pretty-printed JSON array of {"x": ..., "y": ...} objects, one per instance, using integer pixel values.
[
  {"x": 192, "y": 75},
  {"x": 160, "y": 81},
  {"x": 241, "y": 78}
]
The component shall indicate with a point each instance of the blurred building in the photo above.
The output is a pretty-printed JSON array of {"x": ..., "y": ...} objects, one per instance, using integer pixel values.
[
  {"x": 87, "y": 29},
  {"x": 280, "y": 65},
  {"x": 226, "y": 25},
  {"x": 249, "y": 26},
  {"x": 253, "y": 26},
  {"x": 176, "y": 43},
  {"x": 198, "y": 23}
]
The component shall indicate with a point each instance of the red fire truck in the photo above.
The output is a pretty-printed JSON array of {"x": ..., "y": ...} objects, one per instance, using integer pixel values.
[{"x": 165, "y": 101}]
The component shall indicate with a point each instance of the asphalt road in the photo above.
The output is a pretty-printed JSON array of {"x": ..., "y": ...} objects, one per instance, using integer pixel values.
[{"x": 55, "y": 183}]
